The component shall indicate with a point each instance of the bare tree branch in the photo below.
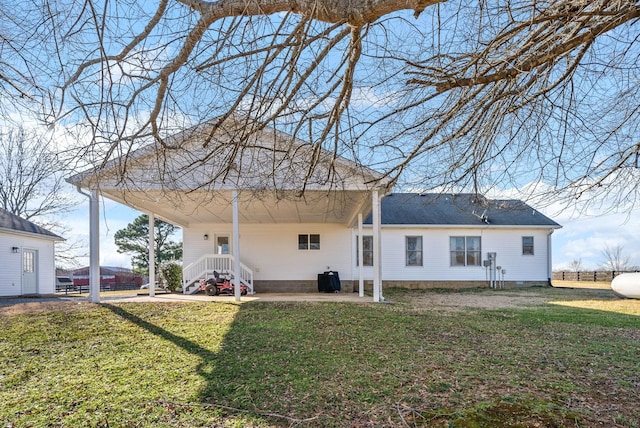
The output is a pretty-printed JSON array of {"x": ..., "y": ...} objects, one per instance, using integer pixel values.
[
  {"x": 356, "y": 13},
  {"x": 579, "y": 30},
  {"x": 32, "y": 186},
  {"x": 615, "y": 259},
  {"x": 460, "y": 96}
]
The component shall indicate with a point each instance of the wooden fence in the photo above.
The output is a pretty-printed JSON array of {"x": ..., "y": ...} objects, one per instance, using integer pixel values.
[{"x": 594, "y": 276}]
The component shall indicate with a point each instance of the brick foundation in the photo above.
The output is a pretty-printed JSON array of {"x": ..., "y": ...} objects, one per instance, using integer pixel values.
[{"x": 348, "y": 286}]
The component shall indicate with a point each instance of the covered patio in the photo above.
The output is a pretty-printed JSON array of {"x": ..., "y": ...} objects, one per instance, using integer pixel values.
[{"x": 269, "y": 184}]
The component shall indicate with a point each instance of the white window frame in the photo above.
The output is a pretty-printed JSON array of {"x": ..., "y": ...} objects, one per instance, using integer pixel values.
[
  {"x": 218, "y": 248},
  {"x": 466, "y": 251},
  {"x": 408, "y": 260},
  {"x": 367, "y": 255}
]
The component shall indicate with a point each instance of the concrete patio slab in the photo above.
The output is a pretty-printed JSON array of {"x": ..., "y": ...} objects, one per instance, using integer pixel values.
[
  {"x": 263, "y": 297},
  {"x": 200, "y": 297}
]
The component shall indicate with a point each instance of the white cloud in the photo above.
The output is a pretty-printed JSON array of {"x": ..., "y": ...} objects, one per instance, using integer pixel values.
[
  {"x": 588, "y": 225},
  {"x": 113, "y": 217},
  {"x": 585, "y": 237},
  {"x": 368, "y": 97}
]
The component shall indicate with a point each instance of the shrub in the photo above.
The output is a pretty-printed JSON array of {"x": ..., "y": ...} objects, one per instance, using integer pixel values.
[{"x": 172, "y": 274}]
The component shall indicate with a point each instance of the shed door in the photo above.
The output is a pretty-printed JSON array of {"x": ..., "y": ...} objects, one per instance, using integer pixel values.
[{"x": 29, "y": 271}]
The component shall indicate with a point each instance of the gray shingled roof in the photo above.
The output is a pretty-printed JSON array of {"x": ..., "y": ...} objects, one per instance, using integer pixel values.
[
  {"x": 460, "y": 209},
  {"x": 17, "y": 224}
]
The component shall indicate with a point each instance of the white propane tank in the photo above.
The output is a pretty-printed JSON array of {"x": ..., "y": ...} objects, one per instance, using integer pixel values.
[{"x": 627, "y": 285}]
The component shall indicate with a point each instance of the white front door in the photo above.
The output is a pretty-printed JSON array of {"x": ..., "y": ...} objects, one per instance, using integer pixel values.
[
  {"x": 222, "y": 244},
  {"x": 29, "y": 271}
]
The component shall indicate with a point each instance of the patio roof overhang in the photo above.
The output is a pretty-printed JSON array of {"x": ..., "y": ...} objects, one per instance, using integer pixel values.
[
  {"x": 185, "y": 209},
  {"x": 190, "y": 177},
  {"x": 202, "y": 175}
]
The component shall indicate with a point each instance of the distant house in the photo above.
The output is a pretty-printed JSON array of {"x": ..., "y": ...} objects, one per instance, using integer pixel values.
[
  {"x": 28, "y": 262},
  {"x": 114, "y": 278}
]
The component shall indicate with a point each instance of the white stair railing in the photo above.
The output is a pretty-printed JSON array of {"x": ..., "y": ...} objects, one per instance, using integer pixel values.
[{"x": 204, "y": 267}]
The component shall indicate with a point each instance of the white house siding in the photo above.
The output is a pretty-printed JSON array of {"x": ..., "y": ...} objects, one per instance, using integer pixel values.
[
  {"x": 11, "y": 269},
  {"x": 505, "y": 242},
  {"x": 271, "y": 251}
]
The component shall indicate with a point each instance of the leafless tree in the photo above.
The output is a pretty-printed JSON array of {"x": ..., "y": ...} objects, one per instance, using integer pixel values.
[
  {"x": 615, "y": 259},
  {"x": 32, "y": 186},
  {"x": 26, "y": 29},
  {"x": 437, "y": 95},
  {"x": 576, "y": 265}
]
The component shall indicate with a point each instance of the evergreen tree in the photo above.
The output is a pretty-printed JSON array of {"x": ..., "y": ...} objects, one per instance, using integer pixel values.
[{"x": 134, "y": 239}]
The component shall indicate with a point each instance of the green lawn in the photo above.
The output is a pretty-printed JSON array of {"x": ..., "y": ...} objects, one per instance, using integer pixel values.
[{"x": 572, "y": 361}]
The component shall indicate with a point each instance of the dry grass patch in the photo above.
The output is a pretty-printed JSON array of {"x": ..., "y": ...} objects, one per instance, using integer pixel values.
[
  {"x": 594, "y": 285},
  {"x": 9, "y": 308}
]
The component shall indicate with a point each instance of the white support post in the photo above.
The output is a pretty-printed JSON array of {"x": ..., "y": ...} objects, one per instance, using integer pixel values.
[
  {"x": 152, "y": 256},
  {"x": 549, "y": 258},
  {"x": 94, "y": 247},
  {"x": 377, "y": 259},
  {"x": 236, "y": 246},
  {"x": 360, "y": 258}
]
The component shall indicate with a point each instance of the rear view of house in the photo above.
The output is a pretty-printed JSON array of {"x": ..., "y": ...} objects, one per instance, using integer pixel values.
[
  {"x": 264, "y": 215},
  {"x": 28, "y": 262},
  {"x": 427, "y": 241}
]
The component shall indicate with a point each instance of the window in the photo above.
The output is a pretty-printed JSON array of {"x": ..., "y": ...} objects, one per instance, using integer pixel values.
[
  {"x": 367, "y": 250},
  {"x": 28, "y": 262},
  {"x": 474, "y": 253},
  {"x": 527, "y": 245},
  {"x": 413, "y": 245},
  {"x": 465, "y": 250},
  {"x": 309, "y": 242},
  {"x": 222, "y": 244}
]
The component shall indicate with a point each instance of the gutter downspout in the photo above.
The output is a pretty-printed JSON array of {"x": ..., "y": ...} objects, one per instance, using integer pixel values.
[
  {"x": 236, "y": 245},
  {"x": 360, "y": 257},
  {"x": 377, "y": 248},
  {"x": 94, "y": 245},
  {"x": 549, "y": 259},
  {"x": 152, "y": 255}
]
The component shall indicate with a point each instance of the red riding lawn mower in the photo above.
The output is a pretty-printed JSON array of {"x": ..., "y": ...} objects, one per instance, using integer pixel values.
[{"x": 220, "y": 284}]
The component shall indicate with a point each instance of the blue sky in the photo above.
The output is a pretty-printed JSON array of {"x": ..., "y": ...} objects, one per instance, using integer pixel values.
[
  {"x": 380, "y": 87},
  {"x": 584, "y": 237}
]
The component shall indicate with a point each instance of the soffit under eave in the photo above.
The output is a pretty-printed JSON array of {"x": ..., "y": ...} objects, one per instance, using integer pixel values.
[
  {"x": 367, "y": 203},
  {"x": 467, "y": 226},
  {"x": 314, "y": 207},
  {"x": 160, "y": 211}
]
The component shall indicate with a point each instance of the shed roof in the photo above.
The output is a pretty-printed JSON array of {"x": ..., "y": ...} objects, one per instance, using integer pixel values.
[
  {"x": 14, "y": 223},
  {"x": 464, "y": 209}
]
